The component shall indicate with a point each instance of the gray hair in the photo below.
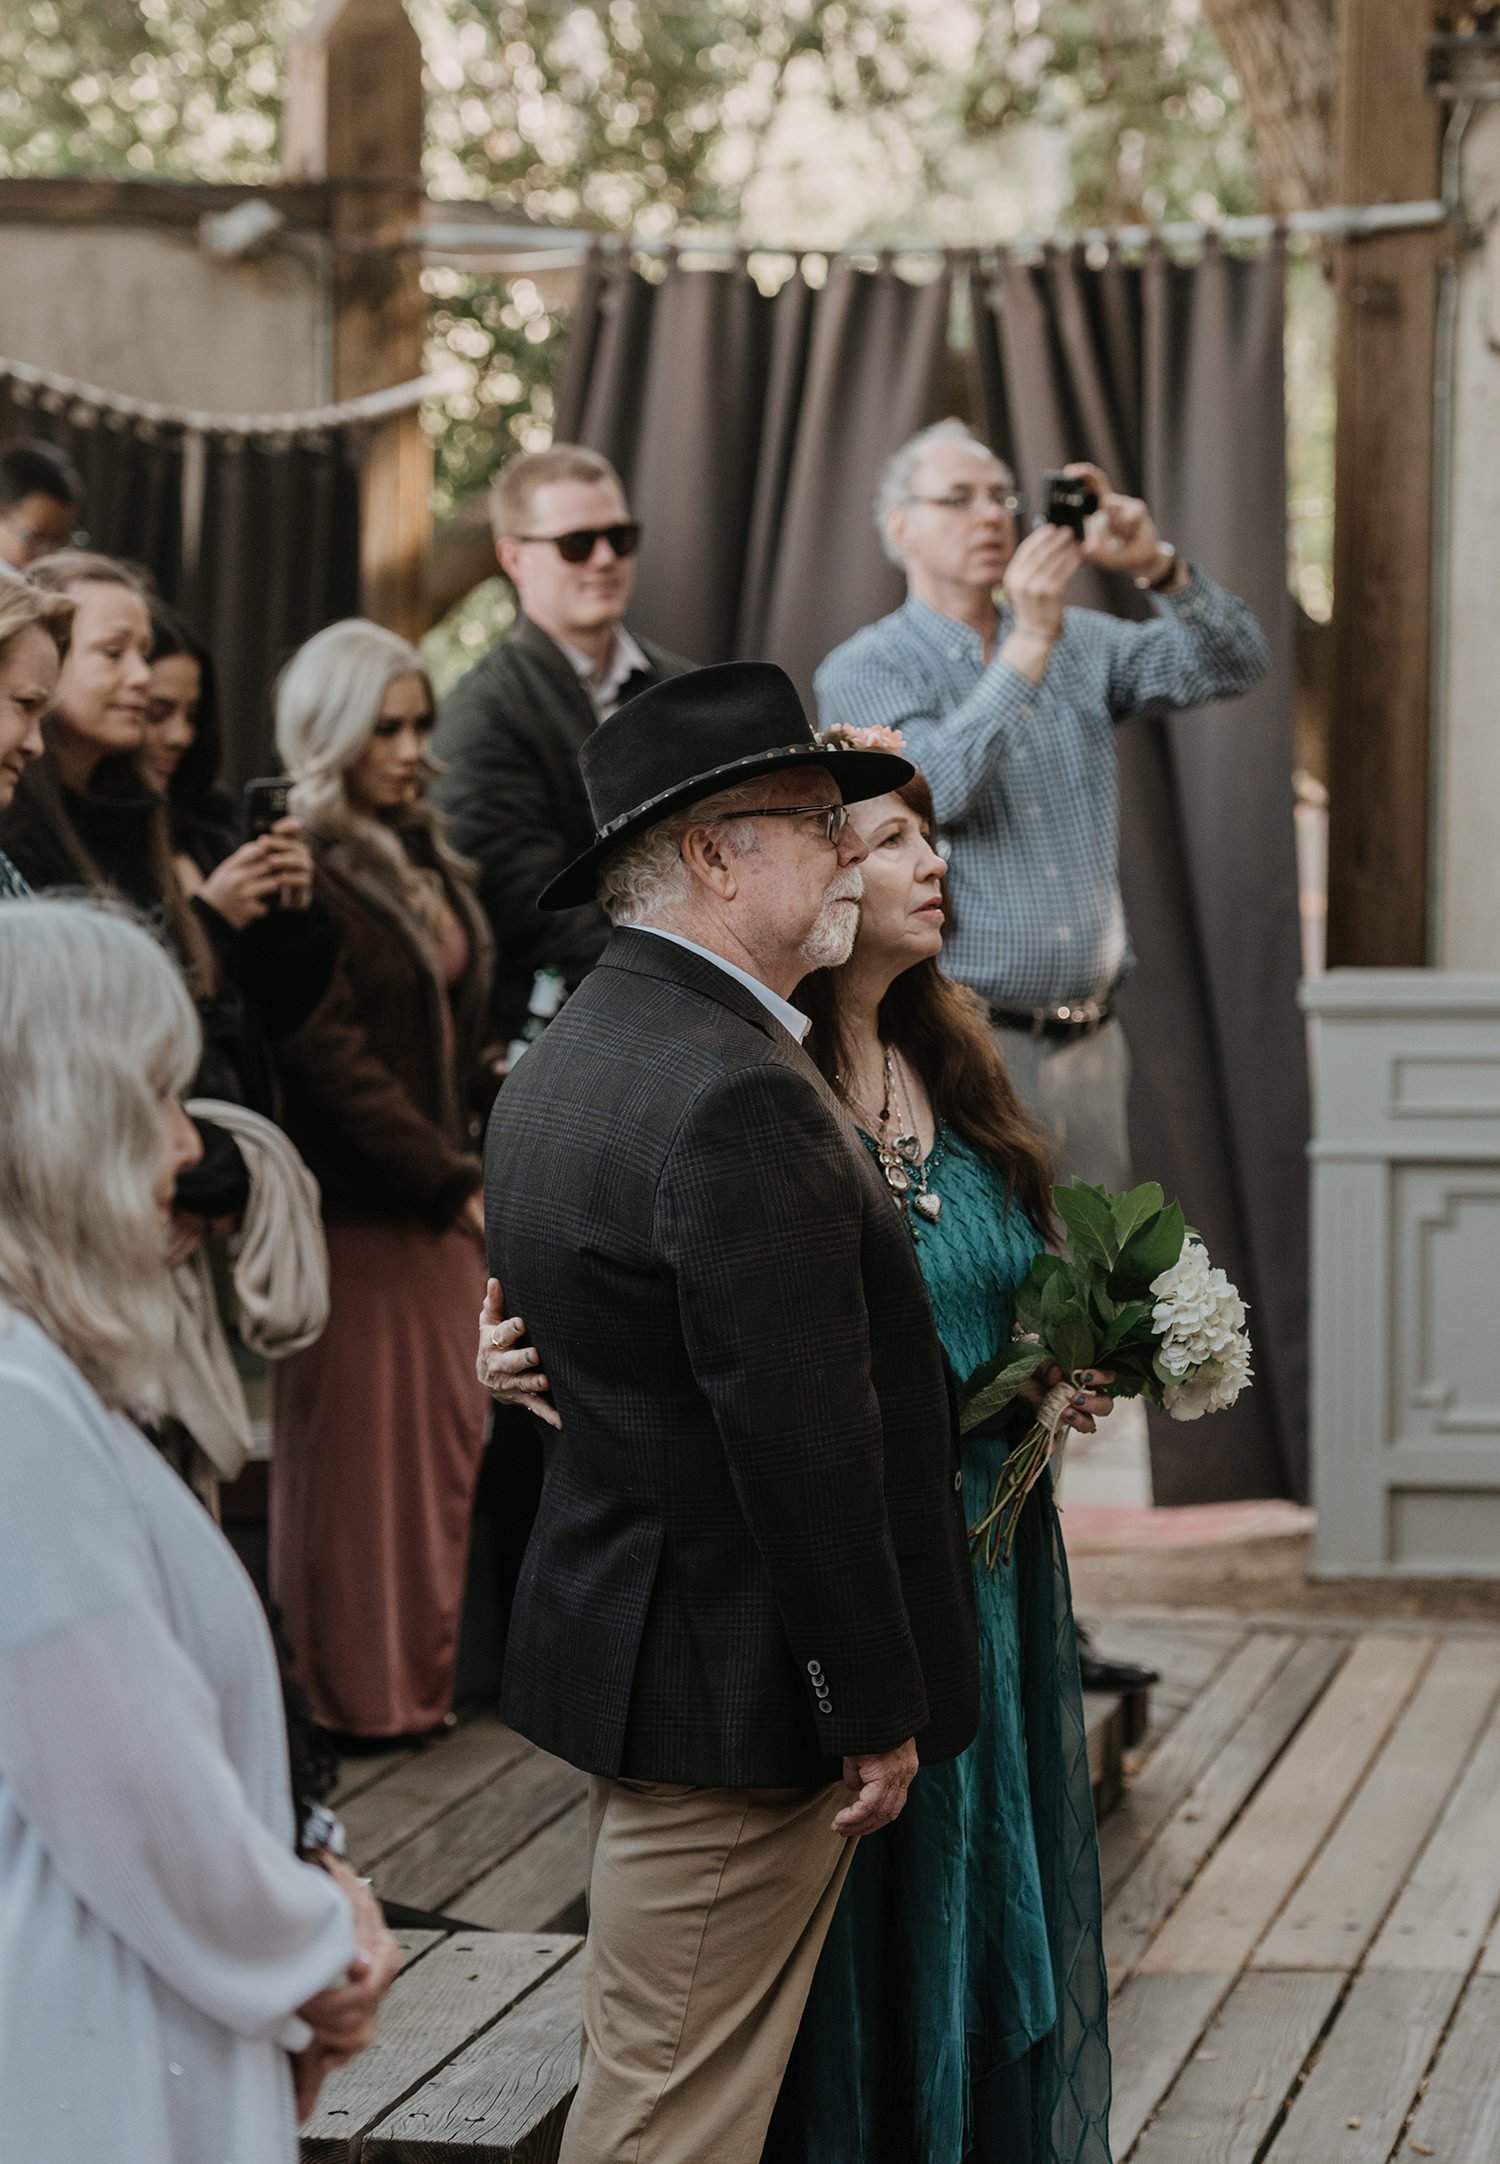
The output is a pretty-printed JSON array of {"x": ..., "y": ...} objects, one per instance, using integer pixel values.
[
  {"x": 900, "y": 470},
  {"x": 647, "y": 878},
  {"x": 96, "y": 1029}
]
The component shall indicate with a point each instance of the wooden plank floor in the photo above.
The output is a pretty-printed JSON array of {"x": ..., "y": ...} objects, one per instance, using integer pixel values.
[
  {"x": 1302, "y": 1903},
  {"x": 482, "y": 1827},
  {"x": 479, "y": 1826},
  {"x": 1301, "y": 1890}
]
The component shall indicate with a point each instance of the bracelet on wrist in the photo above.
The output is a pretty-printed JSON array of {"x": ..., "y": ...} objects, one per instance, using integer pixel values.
[{"x": 1152, "y": 582}]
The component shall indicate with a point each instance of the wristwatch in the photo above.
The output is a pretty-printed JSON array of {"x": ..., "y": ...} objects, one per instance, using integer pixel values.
[{"x": 1151, "y": 582}]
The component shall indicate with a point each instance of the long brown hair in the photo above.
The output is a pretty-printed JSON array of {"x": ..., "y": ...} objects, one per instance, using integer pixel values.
[
  {"x": 942, "y": 1029},
  {"x": 62, "y": 573}
]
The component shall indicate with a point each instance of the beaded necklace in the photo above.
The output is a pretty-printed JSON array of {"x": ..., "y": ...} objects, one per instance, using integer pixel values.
[{"x": 899, "y": 1154}]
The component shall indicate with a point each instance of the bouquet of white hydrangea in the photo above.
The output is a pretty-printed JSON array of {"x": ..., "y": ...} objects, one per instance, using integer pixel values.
[{"x": 1135, "y": 1294}]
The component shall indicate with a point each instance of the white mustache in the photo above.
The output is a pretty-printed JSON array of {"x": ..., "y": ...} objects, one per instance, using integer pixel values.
[{"x": 848, "y": 886}]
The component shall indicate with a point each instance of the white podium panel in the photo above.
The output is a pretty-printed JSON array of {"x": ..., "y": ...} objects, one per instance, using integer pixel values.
[{"x": 1406, "y": 1273}]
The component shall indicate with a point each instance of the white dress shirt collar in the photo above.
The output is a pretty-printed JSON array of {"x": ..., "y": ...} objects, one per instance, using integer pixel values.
[
  {"x": 791, "y": 1018},
  {"x": 604, "y": 685}
]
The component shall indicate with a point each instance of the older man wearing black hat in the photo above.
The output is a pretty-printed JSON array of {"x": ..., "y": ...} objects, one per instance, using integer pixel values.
[{"x": 746, "y": 1607}]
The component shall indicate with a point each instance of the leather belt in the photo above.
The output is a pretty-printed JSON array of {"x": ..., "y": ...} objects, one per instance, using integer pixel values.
[{"x": 1067, "y": 1022}]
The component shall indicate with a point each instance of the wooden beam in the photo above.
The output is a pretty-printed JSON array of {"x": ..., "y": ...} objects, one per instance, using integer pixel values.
[
  {"x": 355, "y": 119},
  {"x": 174, "y": 204},
  {"x": 1387, "y": 298}
]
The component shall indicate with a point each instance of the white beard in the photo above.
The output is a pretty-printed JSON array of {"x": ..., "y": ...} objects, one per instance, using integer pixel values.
[{"x": 831, "y": 941}]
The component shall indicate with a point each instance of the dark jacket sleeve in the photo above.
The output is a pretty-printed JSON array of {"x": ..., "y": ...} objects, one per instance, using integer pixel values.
[
  {"x": 342, "y": 1084},
  {"x": 284, "y": 965},
  {"x": 760, "y": 1217},
  {"x": 501, "y": 807}
]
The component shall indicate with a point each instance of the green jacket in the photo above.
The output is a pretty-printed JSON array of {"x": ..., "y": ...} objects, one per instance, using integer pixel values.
[{"x": 509, "y": 734}]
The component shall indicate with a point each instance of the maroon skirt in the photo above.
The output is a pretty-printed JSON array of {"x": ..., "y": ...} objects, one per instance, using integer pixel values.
[{"x": 377, "y": 1432}]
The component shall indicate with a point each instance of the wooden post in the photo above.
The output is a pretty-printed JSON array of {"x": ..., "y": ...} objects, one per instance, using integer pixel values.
[
  {"x": 1387, "y": 294},
  {"x": 354, "y": 118}
]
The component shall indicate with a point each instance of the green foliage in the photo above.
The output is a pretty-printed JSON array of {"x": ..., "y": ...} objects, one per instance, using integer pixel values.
[
  {"x": 1090, "y": 1308},
  {"x": 637, "y": 116},
  {"x": 184, "y": 87}
]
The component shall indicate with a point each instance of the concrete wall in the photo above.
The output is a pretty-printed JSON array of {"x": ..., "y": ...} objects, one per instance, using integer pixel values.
[
  {"x": 1466, "y": 929},
  {"x": 149, "y": 313}
]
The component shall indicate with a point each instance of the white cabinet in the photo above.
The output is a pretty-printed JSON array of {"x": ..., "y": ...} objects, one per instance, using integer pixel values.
[{"x": 1406, "y": 1272}]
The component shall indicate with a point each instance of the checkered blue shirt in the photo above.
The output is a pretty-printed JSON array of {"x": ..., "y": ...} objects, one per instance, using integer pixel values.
[
  {"x": 1024, "y": 775},
  {"x": 12, "y": 885}
]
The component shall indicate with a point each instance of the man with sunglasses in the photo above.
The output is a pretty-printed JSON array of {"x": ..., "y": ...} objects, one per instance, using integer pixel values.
[
  {"x": 511, "y": 730},
  {"x": 41, "y": 501}
]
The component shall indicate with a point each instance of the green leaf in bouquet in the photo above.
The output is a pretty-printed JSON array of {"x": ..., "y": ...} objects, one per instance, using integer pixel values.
[
  {"x": 1153, "y": 1247},
  {"x": 992, "y": 1387},
  {"x": 1059, "y": 1298},
  {"x": 1102, "y": 1310},
  {"x": 1126, "y": 1321},
  {"x": 1131, "y": 1211},
  {"x": 1073, "y": 1343},
  {"x": 1087, "y": 1213}
]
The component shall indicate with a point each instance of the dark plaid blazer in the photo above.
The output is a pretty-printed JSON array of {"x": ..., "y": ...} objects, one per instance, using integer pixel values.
[{"x": 750, "y": 1555}]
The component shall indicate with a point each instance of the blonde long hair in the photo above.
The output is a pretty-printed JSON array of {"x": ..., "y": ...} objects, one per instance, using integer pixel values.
[
  {"x": 328, "y": 700},
  {"x": 22, "y": 604},
  {"x": 96, "y": 1027}
]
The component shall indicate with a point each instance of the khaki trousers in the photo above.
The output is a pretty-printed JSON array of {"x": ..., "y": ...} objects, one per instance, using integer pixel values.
[{"x": 708, "y": 1908}]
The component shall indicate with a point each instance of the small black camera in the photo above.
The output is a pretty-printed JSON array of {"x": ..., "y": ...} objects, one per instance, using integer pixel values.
[{"x": 1069, "y": 501}]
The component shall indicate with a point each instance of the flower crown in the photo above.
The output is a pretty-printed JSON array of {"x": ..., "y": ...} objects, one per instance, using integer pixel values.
[{"x": 841, "y": 737}]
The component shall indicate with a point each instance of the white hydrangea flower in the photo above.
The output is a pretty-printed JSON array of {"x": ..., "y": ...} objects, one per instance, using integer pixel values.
[
  {"x": 1199, "y": 1319},
  {"x": 1197, "y": 1309},
  {"x": 1213, "y": 1387}
]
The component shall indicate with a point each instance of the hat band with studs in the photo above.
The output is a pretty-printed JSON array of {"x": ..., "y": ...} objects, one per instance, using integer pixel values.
[{"x": 820, "y": 749}]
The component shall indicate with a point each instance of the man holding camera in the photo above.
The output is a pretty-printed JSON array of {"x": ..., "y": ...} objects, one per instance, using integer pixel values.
[{"x": 1008, "y": 705}]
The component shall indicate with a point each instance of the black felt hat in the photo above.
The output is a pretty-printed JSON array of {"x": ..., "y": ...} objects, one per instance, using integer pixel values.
[{"x": 691, "y": 737}]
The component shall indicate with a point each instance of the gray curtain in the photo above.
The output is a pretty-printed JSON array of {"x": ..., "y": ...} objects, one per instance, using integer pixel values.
[
  {"x": 750, "y": 433},
  {"x": 254, "y": 538},
  {"x": 1170, "y": 377}
]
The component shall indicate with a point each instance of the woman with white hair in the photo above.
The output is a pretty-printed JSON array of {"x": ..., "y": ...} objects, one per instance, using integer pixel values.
[
  {"x": 158, "y": 1934},
  {"x": 378, "y": 1430},
  {"x": 34, "y": 629}
]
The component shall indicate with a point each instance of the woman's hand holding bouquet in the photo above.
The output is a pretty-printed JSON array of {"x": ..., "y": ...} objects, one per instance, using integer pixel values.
[{"x": 1136, "y": 1295}]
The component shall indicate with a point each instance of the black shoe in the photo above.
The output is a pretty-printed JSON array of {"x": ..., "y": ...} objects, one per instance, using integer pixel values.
[{"x": 1101, "y": 1675}]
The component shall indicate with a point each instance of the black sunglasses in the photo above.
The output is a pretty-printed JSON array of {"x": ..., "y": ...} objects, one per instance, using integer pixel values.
[{"x": 579, "y": 546}]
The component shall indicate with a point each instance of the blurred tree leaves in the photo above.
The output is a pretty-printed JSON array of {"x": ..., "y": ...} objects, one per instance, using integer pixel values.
[{"x": 644, "y": 118}]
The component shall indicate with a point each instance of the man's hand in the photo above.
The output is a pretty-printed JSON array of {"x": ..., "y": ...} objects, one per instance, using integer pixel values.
[
  {"x": 1121, "y": 535},
  {"x": 1036, "y": 585},
  {"x": 880, "y": 1783}
]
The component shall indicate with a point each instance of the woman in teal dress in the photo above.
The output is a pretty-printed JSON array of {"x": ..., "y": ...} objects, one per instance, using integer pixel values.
[{"x": 959, "y": 2008}]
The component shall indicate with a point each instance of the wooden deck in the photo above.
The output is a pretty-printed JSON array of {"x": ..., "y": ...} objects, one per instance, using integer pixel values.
[
  {"x": 1301, "y": 1890},
  {"x": 1301, "y": 1880},
  {"x": 481, "y": 1826}
]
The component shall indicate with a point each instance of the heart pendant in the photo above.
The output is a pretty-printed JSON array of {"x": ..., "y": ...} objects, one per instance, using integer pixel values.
[
  {"x": 928, "y": 1206},
  {"x": 909, "y": 1147}
]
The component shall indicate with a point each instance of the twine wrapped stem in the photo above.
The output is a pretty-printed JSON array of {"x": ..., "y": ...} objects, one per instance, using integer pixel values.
[{"x": 995, "y": 1533}]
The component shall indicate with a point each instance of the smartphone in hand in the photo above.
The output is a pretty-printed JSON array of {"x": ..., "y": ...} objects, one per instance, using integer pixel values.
[{"x": 266, "y": 801}]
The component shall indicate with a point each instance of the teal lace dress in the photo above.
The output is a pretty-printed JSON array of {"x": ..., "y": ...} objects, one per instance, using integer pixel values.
[{"x": 959, "y": 2007}]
